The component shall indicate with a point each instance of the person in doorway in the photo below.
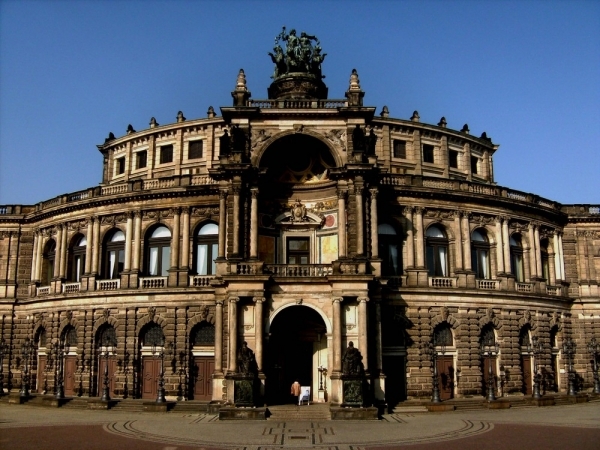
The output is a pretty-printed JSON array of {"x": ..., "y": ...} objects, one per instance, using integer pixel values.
[{"x": 296, "y": 391}]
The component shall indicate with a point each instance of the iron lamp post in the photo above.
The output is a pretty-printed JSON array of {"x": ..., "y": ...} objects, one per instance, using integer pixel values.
[
  {"x": 3, "y": 350},
  {"x": 594, "y": 350},
  {"x": 431, "y": 349},
  {"x": 109, "y": 349},
  {"x": 160, "y": 394},
  {"x": 490, "y": 349},
  {"x": 569, "y": 350},
  {"x": 26, "y": 351},
  {"x": 536, "y": 348},
  {"x": 61, "y": 351}
]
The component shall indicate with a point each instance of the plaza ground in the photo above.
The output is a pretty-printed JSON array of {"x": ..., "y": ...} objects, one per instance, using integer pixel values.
[{"x": 573, "y": 426}]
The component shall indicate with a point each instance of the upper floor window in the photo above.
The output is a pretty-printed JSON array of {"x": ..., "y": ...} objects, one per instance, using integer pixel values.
[
  {"x": 480, "y": 254},
  {"x": 49, "y": 257},
  {"x": 207, "y": 249},
  {"x": 388, "y": 249},
  {"x": 141, "y": 159},
  {"x": 453, "y": 159},
  {"x": 114, "y": 254},
  {"x": 516, "y": 258},
  {"x": 474, "y": 162},
  {"x": 195, "y": 149},
  {"x": 158, "y": 255},
  {"x": 166, "y": 154},
  {"x": 399, "y": 149},
  {"x": 428, "y": 153},
  {"x": 437, "y": 251},
  {"x": 120, "y": 165},
  {"x": 298, "y": 250},
  {"x": 545, "y": 260},
  {"x": 77, "y": 259}
]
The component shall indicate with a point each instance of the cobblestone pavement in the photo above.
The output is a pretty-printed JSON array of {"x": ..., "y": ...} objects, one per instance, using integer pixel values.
[{"x": 564, "y": 427}]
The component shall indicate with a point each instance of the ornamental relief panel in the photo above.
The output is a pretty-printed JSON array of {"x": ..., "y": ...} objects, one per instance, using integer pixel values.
[
  {"x": 337, "y": 138},
  {"x": 204, "y": 211},
  {"x": 77, "y": 225},
  {"x": 157, "y": 214},
  {"x": 113, "y": 219}
]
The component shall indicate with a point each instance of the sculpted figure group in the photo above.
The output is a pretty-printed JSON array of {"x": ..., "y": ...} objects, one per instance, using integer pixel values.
[{"x": 300, "y": 54}]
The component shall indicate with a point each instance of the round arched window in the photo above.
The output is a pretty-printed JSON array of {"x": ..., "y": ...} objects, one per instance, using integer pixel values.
[
  {"x": 159, "y": 252},
  {"x": 480, "y": 254},
  {"x": 436, "y": 251},
  {"x": 206, "y": 249}
]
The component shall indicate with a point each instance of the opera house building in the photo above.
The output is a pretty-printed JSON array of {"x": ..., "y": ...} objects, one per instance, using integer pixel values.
[{"x": 260, "y": 241}]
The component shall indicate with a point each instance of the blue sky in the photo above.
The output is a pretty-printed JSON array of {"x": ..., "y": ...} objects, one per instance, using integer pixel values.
[{"x": 526, "y": 72}]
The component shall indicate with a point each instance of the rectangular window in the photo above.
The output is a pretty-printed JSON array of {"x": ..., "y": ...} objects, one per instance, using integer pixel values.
[
  {"x": 195, "y": 149},
  {"x": 166, "y": 154},
  {"x": 399, "y": 149},
  {"x": 474, "y": 161},
  {"x": 141, "y": 159},
  {"x": 298, "y": 251},
  {"x": 427, "y": 153},
  {"x": 453, "y": 159},
  {"x": 120, "y": 165}
]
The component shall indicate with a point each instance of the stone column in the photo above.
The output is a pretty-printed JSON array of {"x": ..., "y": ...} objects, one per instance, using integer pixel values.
[
  {"x": 137, "y": 238},
  {"x": 258, "y": 331},
  {"x": 254, "y": 223},
  {"x": 458, "y": 241},
  {"x": 590, "y": 256},
  {"x": 538, "y": 250},
  {"x": 128, "y": 242},
  {"x": 506, "y": 244},
  {"x": 561, "y": 258},
  {"x": 175, "y": 240},
  {"x": 551, "y": 269},
  {"x": 532, "y": 252},
  {"x": 96, "y": 249},
  {"x": 337, "y": 335},
  {"x": 40, "y": 256},
  {"x": 89, "y": 246},
  {"x": 57, "y": 251},
  {"x": 236, "y": 221},
  {"x": 362, "y": 330},
  {"x": 420, "y": 238},
  {"x": 63, "y": 252},
  {"x": 222, "y": 222},
  {"x": 378, "y": 341},
  {"x": 36, "y": 243},
  {"x": 499, "y": 246},
  {"x": 342, "y": 223},
  {"x": 410, "y": 238},
  {"x": 466, "y": 236},
  {"x": 555, "y": 245},
  {"x": 185, "y": 245},
  {"x": 374, "y": 225},
  {"x": 360, "y": 229},
  {"x": 219, "y": 336},
  {"x": 232, "y": 366}
]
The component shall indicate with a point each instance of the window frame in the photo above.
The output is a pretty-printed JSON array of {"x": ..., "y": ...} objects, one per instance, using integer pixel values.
[
  {"x": 480, "y": 251},
  {"x": 160, "y": 244},
  {"x": 48, "y": 262},
  {"x": 453, "y": 159},
  {"x": 433, "y": 253},
  {"x": 399, "y": 153},
  {"x": 516, "y": 258},
  {"x": 139, "y": 159},
  {"x": 210, "y": 240},
  {"x": 194, "y": 143},
  {"x": 297, "y": 253},
  {"x": 76, "y": 252},
  {"x": 428, "y": 153},
  {"x": 166, "y": 150},
  {"x": 118, "y": 247}
]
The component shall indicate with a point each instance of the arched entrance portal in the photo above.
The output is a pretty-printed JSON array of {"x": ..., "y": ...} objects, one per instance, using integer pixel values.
[{"x": 297, "y": 348}]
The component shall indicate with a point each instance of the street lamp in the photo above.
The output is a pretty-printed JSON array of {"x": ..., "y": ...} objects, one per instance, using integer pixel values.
[
  {"x": 594, "y": 350},
  {"x": 490, "y": 348},
  {"x": 536, "y": 348},
  {"x": 26, "y": 351},
  {"x": 3, "y": 350},
  {"x": 431, "y": 349},
  {"x": 160, "y": 394},
  {"x": 109, "y": 349},
  {"x": 60, "y": 350},
  {"x": 569, "y": 350}
]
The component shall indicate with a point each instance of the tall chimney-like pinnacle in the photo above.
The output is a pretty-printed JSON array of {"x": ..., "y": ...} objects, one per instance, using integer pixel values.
[
  {"x": 354, "y": 94},
  {"x": 241, "y": 94}
]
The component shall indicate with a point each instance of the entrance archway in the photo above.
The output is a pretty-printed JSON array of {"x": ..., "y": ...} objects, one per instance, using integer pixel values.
[{"x": 297, "y": 347}]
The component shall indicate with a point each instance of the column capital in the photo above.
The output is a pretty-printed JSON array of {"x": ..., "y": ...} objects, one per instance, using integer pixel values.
[
  {"x": 504, "y": 219},
  {"x": 236, "y": 190},
  {"x": 535, "y": 224},
  {"x": 185, "y": 210},
  {"x": 95, "y": 218},
  {"x": 219, "y": 302},
  {"x": 223, "y": 194},
  {"x": 362, "y": 299},
  {"x": 373, "y": 191},
  {"x": 175, "y": 211},
  {"x": 233, "y": 299},
  {"x": 408, "y": 210},
  {"x": 341, "y": 193},
  {"x": 254, "y": 192},
  {"x": 137, "y": 213},
  {"x": 258, "y": 299},
  {"x": 466, "y": 214},
  {"x": 337, "y": 299},
  {"x": 420, "y": 210}
]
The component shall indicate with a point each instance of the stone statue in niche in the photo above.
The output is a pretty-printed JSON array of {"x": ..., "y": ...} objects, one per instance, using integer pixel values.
[
  {"x": 246, "y": 360},
  {"x": 352, "y": 361}
]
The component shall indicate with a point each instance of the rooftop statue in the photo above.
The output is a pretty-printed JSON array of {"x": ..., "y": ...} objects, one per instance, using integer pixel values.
[{"x": 299, "y": 56}]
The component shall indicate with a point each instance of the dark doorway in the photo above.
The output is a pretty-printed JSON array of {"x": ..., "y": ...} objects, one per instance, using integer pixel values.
[
  {"x": 69, "y": 375},
  {"x": 487, "y": 361},
  {"x": 41, "y": 385},
  {"x": 150, "y": 374},
  {"x": 294, "y": 338},
  {"x": 112, "y": 370},
  {"x": 394, "y": 368},
  {"x": 445, "y": 367},
  {"x": 201, "y": 378},
  {"x": 527, "y": 376}
]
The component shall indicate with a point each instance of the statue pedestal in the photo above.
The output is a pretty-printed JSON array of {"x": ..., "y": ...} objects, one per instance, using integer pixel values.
[
  {"x": 241, "y": 390},
  {"x": 352, "y": 391}
]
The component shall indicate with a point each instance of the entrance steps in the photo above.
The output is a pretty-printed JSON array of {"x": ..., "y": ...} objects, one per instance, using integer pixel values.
[{"x": 312, "y": 412}]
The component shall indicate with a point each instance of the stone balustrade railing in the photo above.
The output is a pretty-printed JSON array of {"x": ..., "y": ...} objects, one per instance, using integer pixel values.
[
  {"x": 488, "y": 284},
  {"x": 524, "y": 287},
  {"x": 442, "y": 282},
  {"x": 42, "y": 290},
  {"x": 553, "y": 290},
  {"x": 108, "y": 285},
  {"x": 71, "y": 288},
  {"x": 152, "y": 282},
  {"x": 201, "y": 280},
  {"x": 298, "y": 104},
  {"x": 299, "y": 270}
]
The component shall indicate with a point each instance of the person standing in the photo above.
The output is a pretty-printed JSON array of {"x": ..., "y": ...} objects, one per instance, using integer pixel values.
[{"x": 296, "y": 390}]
